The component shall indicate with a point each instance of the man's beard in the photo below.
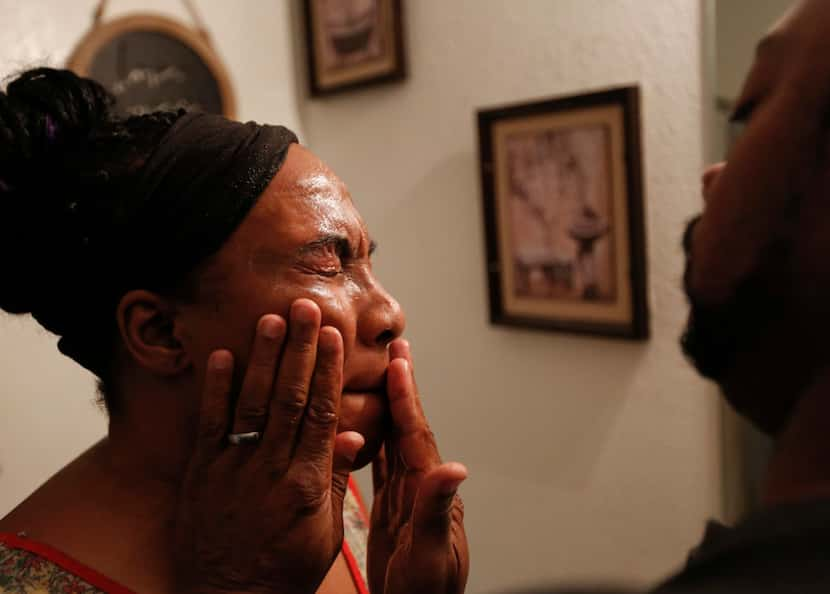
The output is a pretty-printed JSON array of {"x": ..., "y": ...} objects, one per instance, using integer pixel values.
[
  {"x": 725, "y": 345},
  {"x": 728, "y": 343}
]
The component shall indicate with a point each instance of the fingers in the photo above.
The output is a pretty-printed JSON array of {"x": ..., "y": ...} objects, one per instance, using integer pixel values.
[
  {"x": 346, "y": 447},
  {"x": 380, "y": 471},
  {"x": 414, "y": 437},
  {"x": 214, "y": 413},
  {"x": 315, "y": 446},
  {"x": 254, "y": 398},
  {"x": 293, "y": 380},
  {"x": 400, "y": 349},
  {"x": 432, "y": 516}
]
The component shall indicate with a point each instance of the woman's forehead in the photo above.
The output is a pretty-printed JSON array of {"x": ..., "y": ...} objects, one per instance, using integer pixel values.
[
  {"x": 305, "y": 176},
  {"x": 306, "y": 200}
]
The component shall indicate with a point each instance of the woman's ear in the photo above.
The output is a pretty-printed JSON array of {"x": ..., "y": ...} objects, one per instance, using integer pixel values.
[{"x": 147, "y": 323}]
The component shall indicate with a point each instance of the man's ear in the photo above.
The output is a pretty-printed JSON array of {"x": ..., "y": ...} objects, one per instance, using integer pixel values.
[{"x": 147, "y": 323}]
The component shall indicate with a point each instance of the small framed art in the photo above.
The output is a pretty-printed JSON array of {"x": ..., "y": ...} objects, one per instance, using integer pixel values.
[
  {"x": 353, "y": 43},
  {"x": 152, "y": 63},
  {"x": 564, "y": 214}
]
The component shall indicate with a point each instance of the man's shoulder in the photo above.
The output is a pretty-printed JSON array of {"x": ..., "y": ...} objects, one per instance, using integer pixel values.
[{"x": 777, "y": 551}]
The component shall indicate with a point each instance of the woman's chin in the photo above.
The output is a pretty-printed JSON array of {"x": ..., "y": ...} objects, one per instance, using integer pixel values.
[{"x": 365, "y": 413}]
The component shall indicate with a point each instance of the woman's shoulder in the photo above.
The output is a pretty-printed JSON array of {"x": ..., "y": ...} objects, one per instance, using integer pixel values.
[{"x": 49, "y": 503}]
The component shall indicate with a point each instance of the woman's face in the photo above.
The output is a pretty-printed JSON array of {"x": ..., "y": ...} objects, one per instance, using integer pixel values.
[{"x": 304, "y": 238}]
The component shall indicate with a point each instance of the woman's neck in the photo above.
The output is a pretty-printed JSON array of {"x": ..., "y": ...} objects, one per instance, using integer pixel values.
[
  {"x": 152, "y": 434},
  {"x": 800, "y": 466}
]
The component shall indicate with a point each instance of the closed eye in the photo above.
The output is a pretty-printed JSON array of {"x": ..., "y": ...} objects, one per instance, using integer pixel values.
[
  {"x": 742, "y": 111},
  {"x": 739, "y": 120}
]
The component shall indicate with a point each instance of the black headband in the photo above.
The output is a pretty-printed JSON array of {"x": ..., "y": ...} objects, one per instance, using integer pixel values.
[{"x": 192, "y": 193}]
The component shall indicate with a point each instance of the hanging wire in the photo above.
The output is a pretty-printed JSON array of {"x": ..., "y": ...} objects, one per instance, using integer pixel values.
[{"x": 189, "y": 5}]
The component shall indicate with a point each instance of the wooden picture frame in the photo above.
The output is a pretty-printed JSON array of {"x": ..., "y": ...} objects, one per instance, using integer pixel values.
[
  {"x": 564, "y": 214},
  {"x": 184, "y": 72},
  {"x": 352, "y": 44}
]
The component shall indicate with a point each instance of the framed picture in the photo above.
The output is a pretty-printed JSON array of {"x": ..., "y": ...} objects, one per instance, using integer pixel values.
[
  {"x": 563, "y": 206},
  {"x": 353, "y": 43},
  {"x": 152, "y": 63}
]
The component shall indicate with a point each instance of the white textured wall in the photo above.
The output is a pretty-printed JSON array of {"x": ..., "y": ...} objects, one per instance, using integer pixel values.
[
  {"x": 47, "y": 410},
  {"x": 589, "y": 458}
]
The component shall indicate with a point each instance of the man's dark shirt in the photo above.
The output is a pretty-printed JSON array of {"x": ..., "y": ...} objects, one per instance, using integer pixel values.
[{"x": 785, "y": 550}]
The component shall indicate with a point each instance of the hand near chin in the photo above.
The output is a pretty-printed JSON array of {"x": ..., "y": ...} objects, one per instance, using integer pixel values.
[
  {"x": 266, "y": 515},
  {"x": 417, "y": 543}
]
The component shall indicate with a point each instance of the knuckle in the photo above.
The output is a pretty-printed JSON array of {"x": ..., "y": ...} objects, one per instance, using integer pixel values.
[
  {"x": 309, "y": 498},
  {"x": 338, "y": 490},
  {"x": 425, "y": 434},
  {"x": 261, "y": 366},
  {"x": 212, "y": 430},
  {"x": 326, "y": 367},
  {"x": 251, "y": 412},
  {"x": 322, "y": 414},
  {"x": 291, "y": 408},
  {"x": 294, "y": 393},
  {"x": 458, "y": 510},
  {"x": 303, "y": 343},
  {"x": 211, "y": 435}
]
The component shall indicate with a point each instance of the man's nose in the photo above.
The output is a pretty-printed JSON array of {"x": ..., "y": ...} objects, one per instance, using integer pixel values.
[
  {"x": 382, "y": 319},
  {"x": 709, "y": 176}
]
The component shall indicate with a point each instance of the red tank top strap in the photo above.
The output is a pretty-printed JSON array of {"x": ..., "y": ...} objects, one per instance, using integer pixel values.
[
  {"x": 356, "y": 533},
  {"x": 64, "y": 562}
]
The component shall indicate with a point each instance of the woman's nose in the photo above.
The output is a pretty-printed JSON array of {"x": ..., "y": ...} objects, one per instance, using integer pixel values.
[
  {"x": 709, "y": 176},
  {"x": 382, "y": 319}
]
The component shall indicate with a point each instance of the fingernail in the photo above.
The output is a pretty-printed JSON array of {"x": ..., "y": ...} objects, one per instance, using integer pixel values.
[
  {"x": 221, "y": 360},
  {"x": 303, "y": 312},
  {"x": 270, "y": 327},
  {"x": 328, "y": 339}
]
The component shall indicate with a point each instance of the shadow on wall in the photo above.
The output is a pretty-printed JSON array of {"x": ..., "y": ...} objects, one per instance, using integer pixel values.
[{"x": 556, "y": 395}]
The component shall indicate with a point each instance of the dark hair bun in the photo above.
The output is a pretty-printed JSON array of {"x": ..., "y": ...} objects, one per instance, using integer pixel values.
[{"x": 46, "y": 117}]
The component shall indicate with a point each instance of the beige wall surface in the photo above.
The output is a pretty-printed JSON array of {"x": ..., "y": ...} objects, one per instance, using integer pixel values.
[
  {"x": 740, "y": 25},
  {"x": 589, "y": 458}
]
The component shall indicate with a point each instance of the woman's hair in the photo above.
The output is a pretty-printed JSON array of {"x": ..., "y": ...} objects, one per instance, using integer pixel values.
[
  {"x": 65, "y": 162},
  {"x": 94, "y": 206}
]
